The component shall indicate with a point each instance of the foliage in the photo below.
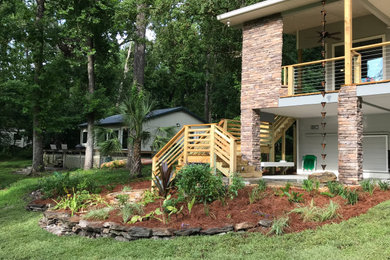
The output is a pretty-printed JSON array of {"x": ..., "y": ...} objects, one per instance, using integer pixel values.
[
  {"x": 261, "y": 185},
  {"x": 383, "y": 185},
  {"x": 126, "y": 188},
  {"x": 368, "y": 186},
  {"x": 164, "y": 180},
  {"x": 148, "y": 197},
  {"x": 108, "y": 141},
  {"x": 60, "y": 184},
  {"x": 335, "y": 187},
  {"x": 78, "y": 200},
  {"x": 286, "y": 188},
  {"x": 351, "y": 196},
  {"x": 162, "y": 137},
  {"x": 308, "y": 185},
  {"x": 294, "y": 196},
  {"x": 170, "y": 208},
  {"x": 237, "y": 184},
  {"x": 123, "y": 199},
  {"x": 196, "y": 180},
  {"x": 190, "y": 204},
  {"x": 279, "y": 225},
  {"x": 130, "y": 210},
  {"x": 99, "y": 214},
  {"x": 318, "y": 214},
  {"x": 330, "y": 195}
]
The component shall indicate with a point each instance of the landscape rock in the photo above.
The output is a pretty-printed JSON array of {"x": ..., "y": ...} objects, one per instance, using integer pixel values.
[
  {"x": 139, "y": 232},
  {"x": 244, "y": 226},
  {"x": 162, "y": 232},
  {"x": 120, "y": 238},
  {"x": 187, "y": 232},
  {"x": 265, "y": 223},
  {"x": 213, "y": 231},
  {"x": 323, "y": 177}
]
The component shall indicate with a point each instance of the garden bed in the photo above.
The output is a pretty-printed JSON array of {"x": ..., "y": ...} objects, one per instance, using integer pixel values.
[{"x": 220, "y": 216}]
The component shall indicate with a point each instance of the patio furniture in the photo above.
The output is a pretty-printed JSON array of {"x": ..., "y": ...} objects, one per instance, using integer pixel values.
[{"x": 283, "y": 165}]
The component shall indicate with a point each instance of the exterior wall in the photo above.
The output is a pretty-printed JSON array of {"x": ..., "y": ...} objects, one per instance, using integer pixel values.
[
  {"x": 261, "y": 78},
  {"x": 350, "y": 136}
]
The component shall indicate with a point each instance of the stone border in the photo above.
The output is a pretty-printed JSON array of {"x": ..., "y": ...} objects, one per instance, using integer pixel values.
[{"x": 62, "y": 224}]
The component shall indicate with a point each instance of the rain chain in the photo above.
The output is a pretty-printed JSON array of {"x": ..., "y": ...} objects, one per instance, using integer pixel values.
[{"x": 323, "y": 84}]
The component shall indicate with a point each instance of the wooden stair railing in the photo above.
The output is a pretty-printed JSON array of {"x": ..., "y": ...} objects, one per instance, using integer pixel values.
[{"x": 206, "y": 143}]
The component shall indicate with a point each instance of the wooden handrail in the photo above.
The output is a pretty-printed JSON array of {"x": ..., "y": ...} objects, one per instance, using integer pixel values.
[
  {"x": 376, "y": 45},
  {"x": 169, "y": 143}
]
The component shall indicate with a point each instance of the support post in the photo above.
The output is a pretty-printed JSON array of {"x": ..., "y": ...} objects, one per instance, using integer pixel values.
[
  {"x": 295, "y": 144},
  {"x": 284, "y": 145},
  {"x": 233, "y": 158},
  {"x": 290, "y": 80},
  {"x": 185, "y": 146},
  {"x": 212, "y": 147},
  {"x": 348, "y": 41}
]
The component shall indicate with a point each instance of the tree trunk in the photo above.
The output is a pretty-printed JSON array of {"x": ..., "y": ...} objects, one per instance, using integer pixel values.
[
  {"x": 37, "y": 163},
  {"x": 125, "y": 71},
  {"x": 207, "y": 111},
  {"x": 88, "y": 163},
  {"x": 139, "y": 46},
  {"x": 136, "y": 166}
]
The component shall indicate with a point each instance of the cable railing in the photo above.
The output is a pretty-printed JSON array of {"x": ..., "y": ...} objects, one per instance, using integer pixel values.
[{"x": 370, "y": 65}]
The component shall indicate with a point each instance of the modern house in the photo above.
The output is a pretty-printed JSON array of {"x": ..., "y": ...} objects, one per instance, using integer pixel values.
[
  {"x": 339, "y": 104},
  {"x": 168, "y": 117}
]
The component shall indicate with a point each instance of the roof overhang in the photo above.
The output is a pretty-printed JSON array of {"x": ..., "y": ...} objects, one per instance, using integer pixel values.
[{"x": 259, "y": 10}]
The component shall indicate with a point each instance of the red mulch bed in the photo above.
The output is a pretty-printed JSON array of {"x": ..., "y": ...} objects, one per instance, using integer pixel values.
[{"x": 240, "y": 210}]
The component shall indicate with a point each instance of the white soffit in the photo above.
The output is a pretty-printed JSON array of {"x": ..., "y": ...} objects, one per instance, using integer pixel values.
[{"x": 262, "y": 9}]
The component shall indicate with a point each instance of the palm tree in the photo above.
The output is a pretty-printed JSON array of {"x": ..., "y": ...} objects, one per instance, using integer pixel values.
[
  {"x": 108, "y": 142},
  {"x": 135, "y": 110}
]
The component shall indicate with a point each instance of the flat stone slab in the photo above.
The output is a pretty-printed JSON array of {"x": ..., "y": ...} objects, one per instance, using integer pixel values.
[{"x": 134, "y": 196}]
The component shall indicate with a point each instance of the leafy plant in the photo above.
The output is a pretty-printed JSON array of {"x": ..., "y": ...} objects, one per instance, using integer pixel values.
[
  {"x": 123, "y": 199},
  {"x": 314, "y": 213},
  {"x": 99, "y": 214},
  {"x": 110, "y": 187},
  {"x": 190, "y": 204},
  {"x": 351, "y": 196},
  {"x": 162, "y": 137},
  {"x": 335, "y": 187},
  {"x": 286, "y": 188},
  {"x": 279, "y": 225},
  {"x": 368, "y": 186},
  {"x": 131, "y": 209},
  {"x": 294, "y": 196},
  {"x": 148, "y": 197},
  {"x": 108, "y": 141},
  {"x": 383, "y": 185},
  {"x": 308, "y": 185},
  {"x": 169, "y": 207},
  {"x": 78, "y": 200},
  {"x": 196, "y": 180},
  {"x": 261, "y": 185},
  {"x": 237, "y": 184},
  {"x": 164, "y": 180},
  {"x": 330, "y": 195}
]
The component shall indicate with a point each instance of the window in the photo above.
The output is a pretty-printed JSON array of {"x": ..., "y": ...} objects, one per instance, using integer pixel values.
[
  {"x": 85, "y": 135},
  {"x": 125, "y": 137}
]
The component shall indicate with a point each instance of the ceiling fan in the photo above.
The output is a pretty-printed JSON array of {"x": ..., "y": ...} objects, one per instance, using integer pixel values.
[{"x": 327, "y": 35}]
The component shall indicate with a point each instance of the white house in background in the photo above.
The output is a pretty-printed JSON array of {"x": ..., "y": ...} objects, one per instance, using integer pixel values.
[
  {"x": 16, "y": 137},
  {"x": 167, "y": 117}
]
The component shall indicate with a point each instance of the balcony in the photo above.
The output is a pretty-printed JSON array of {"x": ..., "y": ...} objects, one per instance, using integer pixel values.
[{"x": 370, "y": 65}]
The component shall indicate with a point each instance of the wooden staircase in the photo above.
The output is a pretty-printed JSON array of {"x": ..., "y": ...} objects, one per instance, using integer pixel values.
[{"x": 219, "y": 145}]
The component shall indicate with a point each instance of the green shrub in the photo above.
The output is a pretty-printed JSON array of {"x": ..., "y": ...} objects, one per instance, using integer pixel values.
[
  {"x": 279, "y": 225},
  {"x": 79, "y": 200},
  {"x": 126, "y": 188},
  {"x": 368, "y": 186},
  {"x": 314, "y": 213},
  {"x": 383, "y": 185},
  {"x": 60, "y": 184},
  {"x": 286, "y": 188},
  {"x": 330, "y": 195},
  {"x": 131, "y": 209},
  {"x": 256, "y": 194},
  {"x": 149, "y": 197},
  {"x": 237, "y": 184},
  {"x": 196, "y": 180},
  {"x": 308, "y": 185},
  {"x": 98, "y": 214}
]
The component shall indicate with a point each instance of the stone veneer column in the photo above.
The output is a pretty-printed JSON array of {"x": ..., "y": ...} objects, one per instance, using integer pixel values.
[
  {"x": 261, "y": 79},
  {"x": 350, "y": 136}
]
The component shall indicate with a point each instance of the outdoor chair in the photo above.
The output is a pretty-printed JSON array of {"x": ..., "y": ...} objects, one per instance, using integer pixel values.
[{"x": 309, "y": 162}]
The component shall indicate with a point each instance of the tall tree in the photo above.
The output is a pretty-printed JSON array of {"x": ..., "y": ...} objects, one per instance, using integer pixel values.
[{"x": 139, "y": 47}]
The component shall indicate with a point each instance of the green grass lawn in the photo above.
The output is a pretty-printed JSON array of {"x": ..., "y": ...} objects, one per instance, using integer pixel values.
[{"x": 364, "y": 237}]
